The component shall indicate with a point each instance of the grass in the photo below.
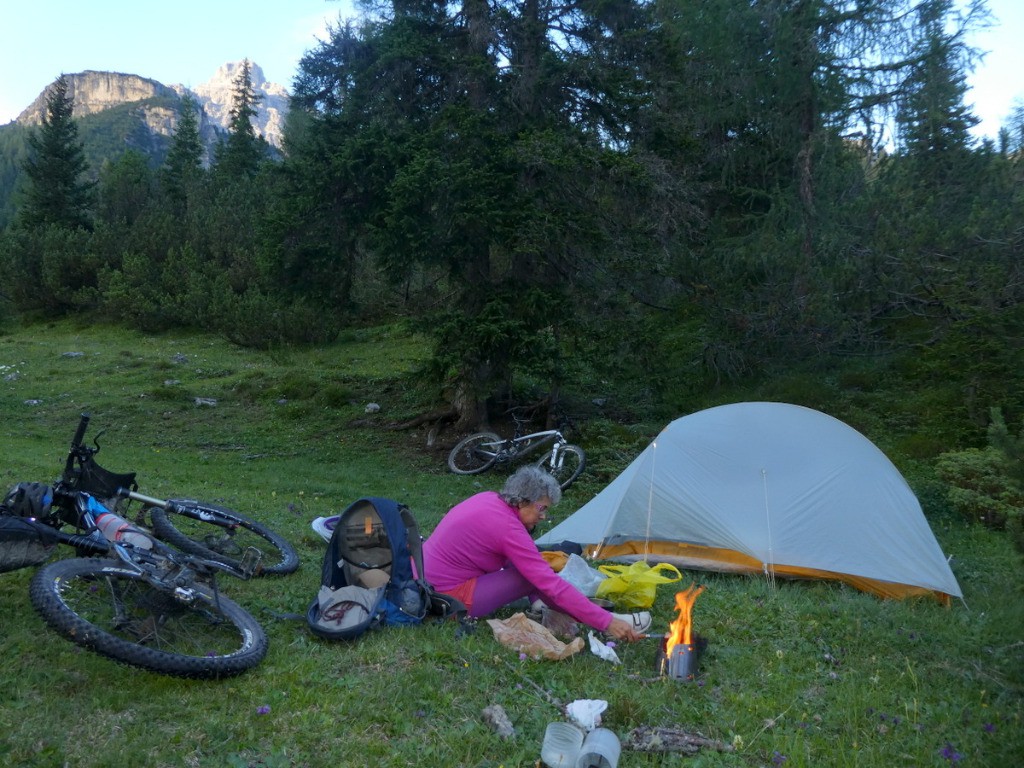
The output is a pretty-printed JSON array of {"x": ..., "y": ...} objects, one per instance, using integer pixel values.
[{"x": 795, "y": 674}]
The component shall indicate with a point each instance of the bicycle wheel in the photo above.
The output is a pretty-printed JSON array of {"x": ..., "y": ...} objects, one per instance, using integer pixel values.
[
  {"x": 571, "y": 461},
  {"x": 474, "y": 454},
  {"x": 114, "y": 611},
  {"x": 218, "y": 533}
]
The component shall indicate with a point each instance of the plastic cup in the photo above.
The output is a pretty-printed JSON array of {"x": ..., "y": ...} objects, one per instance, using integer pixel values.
[
  {"x": 601, "y": 749},
  {"x": 561, "y": 747}
]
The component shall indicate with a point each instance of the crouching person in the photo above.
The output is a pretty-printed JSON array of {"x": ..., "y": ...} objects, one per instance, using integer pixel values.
[{"x": 483, "y": 554}]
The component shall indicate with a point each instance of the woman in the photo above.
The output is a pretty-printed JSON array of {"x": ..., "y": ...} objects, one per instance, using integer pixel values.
[{"x": 482, "y": 553}]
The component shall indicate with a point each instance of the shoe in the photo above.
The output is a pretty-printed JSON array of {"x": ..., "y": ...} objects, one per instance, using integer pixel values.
[
  {"x": 325, "y": 526},
  {"x": 641, "y": 622}
]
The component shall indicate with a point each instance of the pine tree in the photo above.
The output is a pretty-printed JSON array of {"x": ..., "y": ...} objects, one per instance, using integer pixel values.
[
  {"x": 57, "y": 191},
  {"x": 242, "y": 153},
  {"x": 933, "y": 120},
  {"x": 184, "y": 163}
]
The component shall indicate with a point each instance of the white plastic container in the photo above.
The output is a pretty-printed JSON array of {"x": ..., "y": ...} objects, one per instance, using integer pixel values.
[
  {"x": 601, "y": 749},
  {"x": 561, "y": 747}
]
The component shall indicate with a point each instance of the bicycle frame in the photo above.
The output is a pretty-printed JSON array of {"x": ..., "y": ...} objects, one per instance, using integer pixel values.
[
  {"x": 92, "y": 542},
  {"x": 479, "y": 451},
  {"x": 512, "y": 448}
]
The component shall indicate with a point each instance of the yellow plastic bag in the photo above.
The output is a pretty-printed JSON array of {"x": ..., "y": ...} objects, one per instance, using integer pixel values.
[{"x": 635, "y": 585}]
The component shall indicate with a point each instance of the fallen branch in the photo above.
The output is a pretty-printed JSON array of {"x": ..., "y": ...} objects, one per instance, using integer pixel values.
[
  {"x": 544, "y": 694},
  {"x": 445, "y": 414},
  {"x": 649, "y": 739}
]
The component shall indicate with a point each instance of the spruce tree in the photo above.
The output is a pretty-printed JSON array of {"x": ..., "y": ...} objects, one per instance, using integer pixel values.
[
  {"x": 933, "y": 120},
  {"x": 242, "y": 153},
  {"x": 58, "y": 192},
  {"x": 184, "y": 164}
]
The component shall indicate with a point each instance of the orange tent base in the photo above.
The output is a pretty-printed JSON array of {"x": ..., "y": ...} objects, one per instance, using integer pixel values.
[{"x": 715, "y": 559}]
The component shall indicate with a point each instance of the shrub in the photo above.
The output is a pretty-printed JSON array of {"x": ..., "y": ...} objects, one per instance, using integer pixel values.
[{"x": 980, "y": 489}]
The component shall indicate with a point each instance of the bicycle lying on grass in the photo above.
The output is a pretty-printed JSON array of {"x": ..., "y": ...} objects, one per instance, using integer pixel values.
[
  {"x": 207, "y": 530},
  {"x": 131, "y": 599},
  {"x": 482, "y": 450}
]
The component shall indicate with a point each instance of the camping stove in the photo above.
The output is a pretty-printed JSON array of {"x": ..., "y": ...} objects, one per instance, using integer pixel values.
[{"x": 681, "y": 662}]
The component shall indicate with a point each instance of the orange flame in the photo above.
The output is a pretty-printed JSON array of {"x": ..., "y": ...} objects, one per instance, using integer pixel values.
[{"x": 680, "y": 630}]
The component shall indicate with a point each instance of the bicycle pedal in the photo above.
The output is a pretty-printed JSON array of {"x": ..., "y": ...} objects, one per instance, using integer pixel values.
[{"x": 251, "y": 560}]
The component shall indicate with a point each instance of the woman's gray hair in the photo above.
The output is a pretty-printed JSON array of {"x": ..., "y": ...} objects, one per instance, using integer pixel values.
[{"x": 529, "y": 484}]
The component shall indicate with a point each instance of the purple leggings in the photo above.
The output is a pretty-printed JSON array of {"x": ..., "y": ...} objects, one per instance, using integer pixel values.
[{"x": 493, "y": 590}]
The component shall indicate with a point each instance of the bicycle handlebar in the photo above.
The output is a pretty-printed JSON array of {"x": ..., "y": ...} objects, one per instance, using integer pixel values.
[
  {"x": 84, "y": 542},
  {"x": 83, "y": 423}
]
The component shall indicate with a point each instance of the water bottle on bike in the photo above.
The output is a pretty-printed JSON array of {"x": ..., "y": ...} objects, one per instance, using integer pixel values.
[{"x": 116, "y": 528}]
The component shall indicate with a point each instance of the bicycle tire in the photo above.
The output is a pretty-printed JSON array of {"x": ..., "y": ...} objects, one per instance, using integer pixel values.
[
  {"x": 572, "y": 461},
  {"x": 223, "y": 535},
  {"x": 113, "y": 610},
  {"x": 466, "y": 457}
]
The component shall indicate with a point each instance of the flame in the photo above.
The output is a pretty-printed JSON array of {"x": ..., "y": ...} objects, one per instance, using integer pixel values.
[{"x": 680, "y": 630}]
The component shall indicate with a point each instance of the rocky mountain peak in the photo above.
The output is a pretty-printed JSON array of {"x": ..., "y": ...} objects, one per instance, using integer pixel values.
[
  {"x": 216, "y": 94},
  {"x": 94, "y": 92}
]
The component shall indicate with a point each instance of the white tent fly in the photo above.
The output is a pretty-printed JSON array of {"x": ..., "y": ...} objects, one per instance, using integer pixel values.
[{"x": 768, "y": 488}]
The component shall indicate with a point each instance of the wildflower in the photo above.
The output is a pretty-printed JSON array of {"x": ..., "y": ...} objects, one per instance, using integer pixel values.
[
  {"x": 778, "y": 758},
  {"x": 949, "y": 753},
  {"x": 610, "y": 643},
  {"x": 522, "y": 657},
  {"x": 263, "y": 709},
  {"x": 989, "y": 728}
]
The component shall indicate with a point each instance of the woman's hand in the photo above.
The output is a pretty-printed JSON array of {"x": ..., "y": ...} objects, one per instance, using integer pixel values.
[{"x": 622, "y": 630}]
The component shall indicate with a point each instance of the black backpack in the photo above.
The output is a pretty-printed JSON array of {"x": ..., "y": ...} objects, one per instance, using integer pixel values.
[{"x": 373, "y": 574}]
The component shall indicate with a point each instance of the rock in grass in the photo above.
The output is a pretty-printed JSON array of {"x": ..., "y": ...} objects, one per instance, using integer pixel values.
[{"x": 494, "y": 715}]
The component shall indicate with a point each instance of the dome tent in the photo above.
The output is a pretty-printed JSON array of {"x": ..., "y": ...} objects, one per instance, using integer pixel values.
[{"x": 768, "y": 488}]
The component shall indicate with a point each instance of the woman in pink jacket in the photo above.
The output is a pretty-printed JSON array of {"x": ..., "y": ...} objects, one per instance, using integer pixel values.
[{"x": 482, "y": 553}]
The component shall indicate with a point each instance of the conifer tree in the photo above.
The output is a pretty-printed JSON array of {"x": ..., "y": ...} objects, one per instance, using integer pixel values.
[
  {"x": 58, "y": 192},
  {"x": 241, "y": 154},
  {"x": 933, "y": 119},
  {"x": 184, "y": 163}
]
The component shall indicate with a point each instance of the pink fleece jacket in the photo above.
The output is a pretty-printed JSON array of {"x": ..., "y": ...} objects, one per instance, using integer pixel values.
[{"x": 484, "y": 534}]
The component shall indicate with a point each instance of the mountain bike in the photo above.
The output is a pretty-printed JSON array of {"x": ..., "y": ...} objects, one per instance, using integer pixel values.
[
  {"x": 483, "y": 450},
  {"x": 144, "y": 604},
  {"x": 207, "y": 530}
]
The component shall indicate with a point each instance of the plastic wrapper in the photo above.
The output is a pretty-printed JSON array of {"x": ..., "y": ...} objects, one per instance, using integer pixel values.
[
  {"x": 586, "y": 713},
  {"x": 634, "y": 586},
  {"x": 536, "y": 641},
  {"x": 602, "y": 651},
  {"x": 577, "y": 572}
]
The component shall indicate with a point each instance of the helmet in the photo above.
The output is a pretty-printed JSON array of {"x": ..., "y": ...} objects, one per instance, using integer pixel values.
[{"x": 30, "y": 500}]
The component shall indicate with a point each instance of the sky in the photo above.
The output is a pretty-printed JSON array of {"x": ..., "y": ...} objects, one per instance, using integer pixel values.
[{"x": 188, "y": 40}]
